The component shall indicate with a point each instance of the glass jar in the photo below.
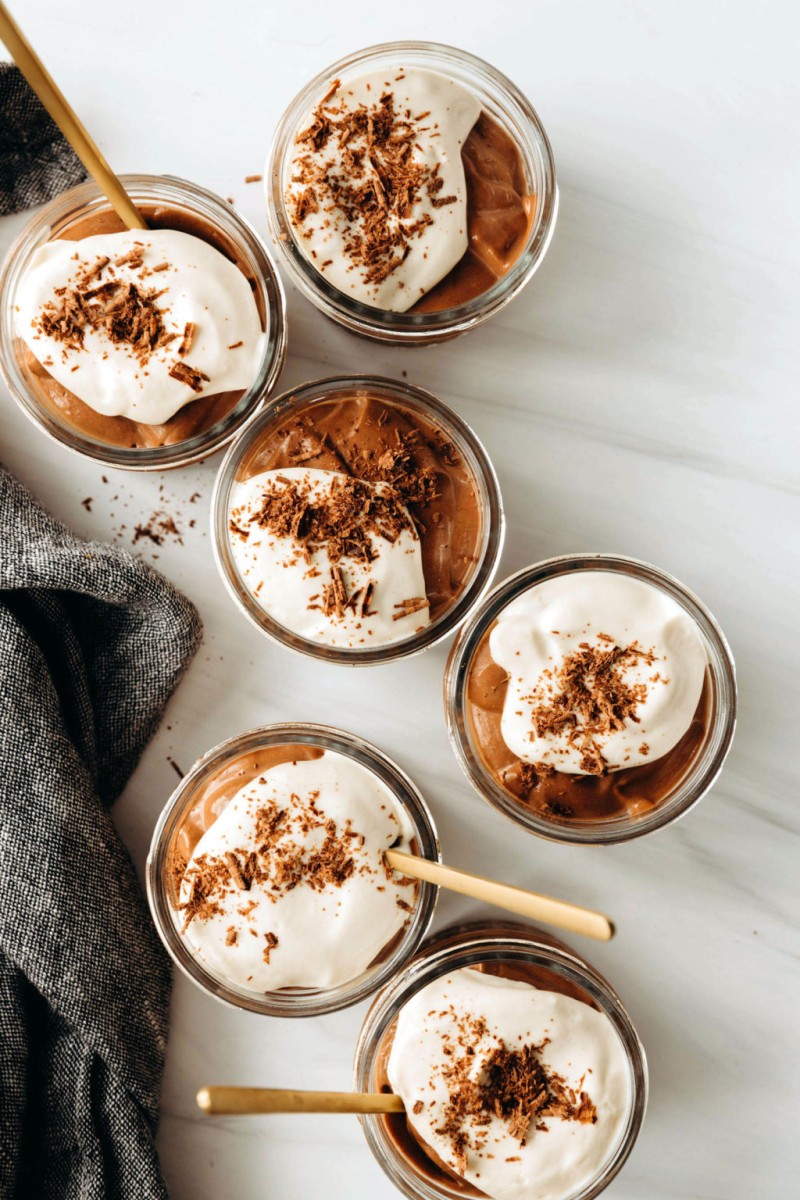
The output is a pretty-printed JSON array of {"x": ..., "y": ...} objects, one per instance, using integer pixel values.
[
  {"x": 163, "y": 883},
  {"x": 537, "y": 954},
  {"x": 506, "y": 105},
  {"x": 409, "y": 400},
  {"x": 227, "y": 231},
  {"x": 701, "y": 771}
]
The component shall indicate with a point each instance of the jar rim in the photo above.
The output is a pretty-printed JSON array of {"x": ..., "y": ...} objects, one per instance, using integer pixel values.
[
  {"x": 532, "y": 141},
  {"x": 609, "y": 830},
  {"x": 428, "y": 406},
  {"x": 86, "y": 197},
  {"x": 295, "y": 1002}
]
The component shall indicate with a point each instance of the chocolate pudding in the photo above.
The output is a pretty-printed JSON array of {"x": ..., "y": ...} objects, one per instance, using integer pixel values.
[
  {"x": 500, "y": 213},
  {"x": 195, "y": 417},
  {"x": 212, "y": 797},
  {"x": 369, "y": 438},
  {"x": 559, "y": 796},
  {"x": 486, "y": 1071},
  {"x": 586, "y": 695},
  {"x": 283, "y": 848},
  {"x": 418, "y": 1154},
  {"x": 405, "y": 194}
]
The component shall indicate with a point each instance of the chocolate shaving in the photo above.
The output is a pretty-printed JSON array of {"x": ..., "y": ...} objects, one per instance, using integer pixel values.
[
  {"x": 134, "y": 258},
  {"x": 375, "y": 187},
  {"x": 588, "y": 698},
  {"x": 293, "y": 847},
  {"x": 409, "y": 606},
  {"x": 236, "y": 872},
  {"x": 95, "y": 271},
  {"x": 342, "y": 520},
  {"x": 188, "y": 375},
  {"x": 272, "y": 942},
  {"x": 187, "y": 339},
  {"x": 515, "y": 1086},
  {"x": 125, "y": 312},
  {"x": 175, "y": 767},
  {"x": 366, "y": 611}
]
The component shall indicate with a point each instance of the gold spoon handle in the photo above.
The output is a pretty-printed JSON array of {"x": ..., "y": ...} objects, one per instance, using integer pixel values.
[
  {"x": 513, "y": 899},
  {"x": 67, "y": 120},
  {"x": 242, "y": 1100}
]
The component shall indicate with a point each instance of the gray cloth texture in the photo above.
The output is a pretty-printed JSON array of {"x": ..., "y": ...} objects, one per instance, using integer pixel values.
[
  {"x": 92, "y": 643},
  {"x": 36, "y": 161}
]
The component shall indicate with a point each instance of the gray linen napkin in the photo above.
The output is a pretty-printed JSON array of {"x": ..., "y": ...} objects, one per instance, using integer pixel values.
[
  {"x": 36, "y": 163},
  {"x": 92, "y": 643}
]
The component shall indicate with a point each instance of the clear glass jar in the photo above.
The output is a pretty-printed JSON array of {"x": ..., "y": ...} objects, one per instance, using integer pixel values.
[
  {"x": 703, "y": 768},
  {"x": 415, "y": 402},
  {"x": 469, "y": 945},
  {"x": 162, "y": 884},
  {"x": 505, "y": 104},
  {"x": 233, "y": 236}
]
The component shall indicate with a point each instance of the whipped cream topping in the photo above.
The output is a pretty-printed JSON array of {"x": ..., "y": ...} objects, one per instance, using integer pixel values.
[
  {"x": 206, "y": 333},
  {"x": 605, "y": 672},
  {"x": 333, "y": 559},
  {"x": 289, "y": 888},
  {"x": 375, "y": 184},
  {"x": 444, "y": 1037}
]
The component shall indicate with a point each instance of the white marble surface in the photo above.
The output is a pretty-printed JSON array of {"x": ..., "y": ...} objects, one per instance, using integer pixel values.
[{"x": 638, "y": 397}]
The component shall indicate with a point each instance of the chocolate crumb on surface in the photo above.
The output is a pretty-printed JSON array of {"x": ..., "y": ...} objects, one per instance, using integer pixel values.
[
  {"x": 157, "y": 529},
  {"x": 175, "y": 767}
]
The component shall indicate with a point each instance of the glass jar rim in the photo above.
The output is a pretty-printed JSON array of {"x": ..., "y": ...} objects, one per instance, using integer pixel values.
[
  {"x": 611, "y": 830},
  {"x": 87, "y": 197},
  {"x": 477, "y": 947},
  {"x": 299, "y": 1002},
  {"x": 469, "y": 446},
  {"x": 417, "y": 327}
]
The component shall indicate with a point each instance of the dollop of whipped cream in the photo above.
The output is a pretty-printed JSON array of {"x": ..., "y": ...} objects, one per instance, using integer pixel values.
[
  {"x": 335, "y": 559},
  {"x": 605, "y": 672},
  {"x": 139, "y": 324},
  {"x": 470, "y": 1056},
  {"x": 289, "y": 887},
  {"x": 375, "y": 185}
]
